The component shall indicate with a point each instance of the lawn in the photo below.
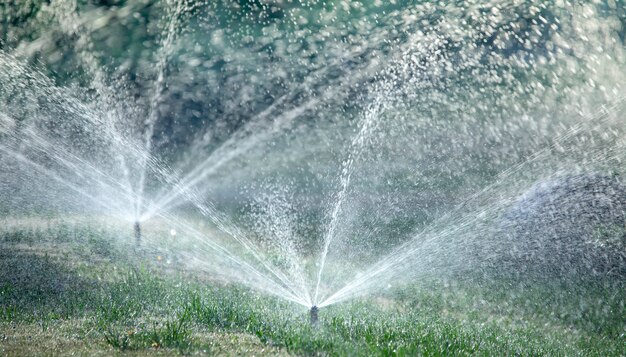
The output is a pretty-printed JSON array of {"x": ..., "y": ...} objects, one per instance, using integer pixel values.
[{"x": 72, "y": 289}]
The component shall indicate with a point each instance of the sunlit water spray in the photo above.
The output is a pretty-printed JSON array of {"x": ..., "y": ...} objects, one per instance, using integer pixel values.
[
  {"x": 446, "y": 245},
  {"x": 420, "y": 128}
]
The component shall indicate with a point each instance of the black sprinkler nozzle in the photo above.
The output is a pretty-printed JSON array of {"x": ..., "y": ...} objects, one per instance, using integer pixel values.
[
  {"x": 137, "y": 228},
  {"x": 314, "y": 311}
]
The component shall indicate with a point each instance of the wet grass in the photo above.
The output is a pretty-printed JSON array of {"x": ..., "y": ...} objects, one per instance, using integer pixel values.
[{"x": 67, "y": 290}]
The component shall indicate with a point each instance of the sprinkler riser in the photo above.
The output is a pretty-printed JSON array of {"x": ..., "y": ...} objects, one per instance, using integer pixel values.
[
  {"x": 314, "y": 315},
  {"x": 137, "y": 229}
]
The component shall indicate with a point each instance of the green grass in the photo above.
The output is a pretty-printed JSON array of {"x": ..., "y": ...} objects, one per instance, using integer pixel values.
[{"x": 77, "y": 290}]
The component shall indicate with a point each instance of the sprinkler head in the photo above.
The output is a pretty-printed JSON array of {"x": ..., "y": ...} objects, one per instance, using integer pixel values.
[
  {"x": 137, "y": 229},
  {"x": 314, "y": 310}
]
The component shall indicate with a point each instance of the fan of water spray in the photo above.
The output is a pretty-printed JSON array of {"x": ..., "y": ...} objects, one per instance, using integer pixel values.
[{"x": 315, "y": 153}]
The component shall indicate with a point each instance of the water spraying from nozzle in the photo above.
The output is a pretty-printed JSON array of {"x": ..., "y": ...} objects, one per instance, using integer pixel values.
[
  {"x": 137, "y": 229},
  {"x": 314, "y": 310}
]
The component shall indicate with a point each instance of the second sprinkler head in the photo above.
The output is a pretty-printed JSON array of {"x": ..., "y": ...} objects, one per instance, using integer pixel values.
[
  {"x": 314, "y": 314},
  {"x": 137, "y": 228}
]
